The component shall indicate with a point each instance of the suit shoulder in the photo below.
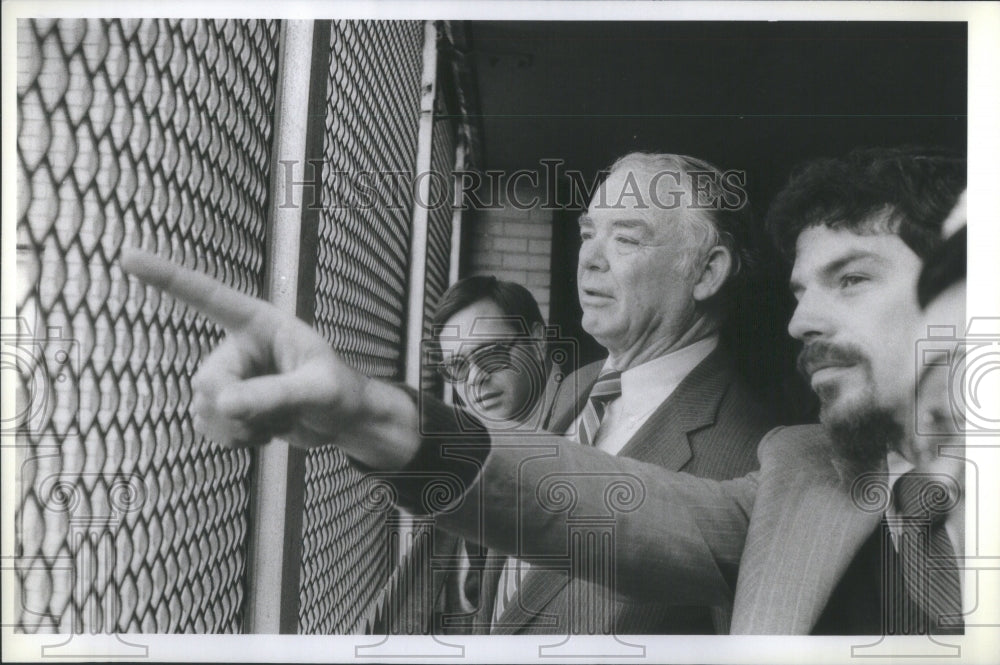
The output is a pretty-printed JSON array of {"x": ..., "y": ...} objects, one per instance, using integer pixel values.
[
  {"x": 794, "y": 441},
  {"x": 585, "y": 373},
  {"x": 743, "y": 403},
  {"x": 726, "y": 447}
]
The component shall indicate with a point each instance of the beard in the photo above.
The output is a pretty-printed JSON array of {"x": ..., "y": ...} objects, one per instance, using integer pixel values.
[
  {"x": 862, "y": 431},
  {"x": 862, "y": 438}
]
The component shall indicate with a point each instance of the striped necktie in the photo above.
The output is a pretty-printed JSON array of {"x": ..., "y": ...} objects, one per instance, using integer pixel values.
[
  {"x": 607, "y": 388},
  {"x": 927, "y": 556}
]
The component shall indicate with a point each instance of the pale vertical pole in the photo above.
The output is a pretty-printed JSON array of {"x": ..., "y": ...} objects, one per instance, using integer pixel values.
[
  {"x": 456, "y": 220},
  {"x": 275, "y": 538},
  {"x": 418, "y": 232},
  {"x": 456, "y": 240}
]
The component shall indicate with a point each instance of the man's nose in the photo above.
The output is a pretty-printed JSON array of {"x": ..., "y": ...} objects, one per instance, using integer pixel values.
[
  {"x": 811, "y": 318},
  {"x": 592, "y": 255}
]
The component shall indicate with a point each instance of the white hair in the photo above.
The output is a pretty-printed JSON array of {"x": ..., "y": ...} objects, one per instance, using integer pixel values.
[{"x": 701, "y": 222}]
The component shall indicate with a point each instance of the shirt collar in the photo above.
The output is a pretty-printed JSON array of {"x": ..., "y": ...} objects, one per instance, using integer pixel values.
[
  {"x": 896, "y": 466},
  {"x": 648, "y": 384}
]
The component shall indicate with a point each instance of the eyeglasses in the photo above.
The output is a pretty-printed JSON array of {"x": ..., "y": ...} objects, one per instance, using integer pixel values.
[{"x": 488, "y": 358}]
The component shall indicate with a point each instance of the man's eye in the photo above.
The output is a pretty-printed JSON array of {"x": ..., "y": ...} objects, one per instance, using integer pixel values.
[
  {"x": 586, "y": 235},
  {"x": 625, "y": 240},
  {"x": 847, "y": 281}
]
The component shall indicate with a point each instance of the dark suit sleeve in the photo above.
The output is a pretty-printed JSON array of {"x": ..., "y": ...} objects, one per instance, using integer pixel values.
[
  {"x": 674, "y": 537},
  {"x": 453, "y": 448}
]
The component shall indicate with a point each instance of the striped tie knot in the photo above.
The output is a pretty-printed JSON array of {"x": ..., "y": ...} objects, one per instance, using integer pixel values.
[
  {"x": 607, "y": 389},
  {"x": 925, "y": 496},
  {"x": 608, "y": 386}
]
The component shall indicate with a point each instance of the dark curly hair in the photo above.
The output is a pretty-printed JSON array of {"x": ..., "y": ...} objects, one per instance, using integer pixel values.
[{"x": 908, "y": 191}]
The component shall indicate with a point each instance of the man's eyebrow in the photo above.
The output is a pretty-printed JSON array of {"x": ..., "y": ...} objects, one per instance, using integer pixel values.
[
  {"x": 630, "y": 223},
  {"x": 837, "y": 265},
  {"x": 855, "y": 255}
]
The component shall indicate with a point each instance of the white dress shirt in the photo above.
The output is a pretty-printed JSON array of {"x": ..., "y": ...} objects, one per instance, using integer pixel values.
[{"x": 644, "y": 388}]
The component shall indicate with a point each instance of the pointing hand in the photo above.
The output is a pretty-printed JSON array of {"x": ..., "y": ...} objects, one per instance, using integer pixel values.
[{"x": 273, "y": 375}]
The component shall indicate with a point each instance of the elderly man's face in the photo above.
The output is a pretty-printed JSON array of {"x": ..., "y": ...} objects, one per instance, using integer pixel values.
[{"x": 631, "y": 282}]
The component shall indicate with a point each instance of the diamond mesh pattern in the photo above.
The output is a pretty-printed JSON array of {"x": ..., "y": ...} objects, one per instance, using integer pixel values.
[
  {"x": 361, "y": 279},
  {"x": 143, "y": 132},
  {"x": 439, "y": 220}
]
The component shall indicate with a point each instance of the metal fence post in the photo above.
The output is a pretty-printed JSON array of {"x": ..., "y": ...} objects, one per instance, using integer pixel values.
[
  {"x": 418, "y": 233},
  {"x": 456, "y": 219},
  {"x": 275, "y": 539}
]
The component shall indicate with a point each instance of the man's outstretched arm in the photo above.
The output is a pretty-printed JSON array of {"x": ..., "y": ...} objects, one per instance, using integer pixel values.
[{"x": 274, "y": 376}]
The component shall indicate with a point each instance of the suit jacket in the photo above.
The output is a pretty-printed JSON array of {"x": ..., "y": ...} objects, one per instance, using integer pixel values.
[
  {"x": 792, "y": 531},
  {"x": 710, "y": 426}
]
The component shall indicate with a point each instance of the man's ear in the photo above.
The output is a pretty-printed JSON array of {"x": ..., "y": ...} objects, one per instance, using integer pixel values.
[{"x": 714, "y": 271}]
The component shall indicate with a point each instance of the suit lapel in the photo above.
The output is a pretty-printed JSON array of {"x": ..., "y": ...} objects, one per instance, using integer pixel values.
[
  {"x": 662, "y": 440},
  {"x": 571, "y": 397},
  {"x": 806, "y": 530}
]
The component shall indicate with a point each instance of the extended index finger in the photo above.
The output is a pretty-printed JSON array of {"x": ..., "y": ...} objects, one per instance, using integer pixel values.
[{"x": 222, "y": 304}]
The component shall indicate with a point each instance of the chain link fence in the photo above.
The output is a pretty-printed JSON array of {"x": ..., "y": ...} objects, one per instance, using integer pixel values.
[
  {"x": 373, "y": 101},
  {"x": 159, "y": 133},
  {"x": 152, "y": 133}
]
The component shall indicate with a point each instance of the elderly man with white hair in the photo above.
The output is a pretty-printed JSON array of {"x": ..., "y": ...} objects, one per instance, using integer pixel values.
[{"x": 664, "y": 243}]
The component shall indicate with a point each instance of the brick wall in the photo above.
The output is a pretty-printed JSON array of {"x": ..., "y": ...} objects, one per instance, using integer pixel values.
[{"x": 512, "y": 244}]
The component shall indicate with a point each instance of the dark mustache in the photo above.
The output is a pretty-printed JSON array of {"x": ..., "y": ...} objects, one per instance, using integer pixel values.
[{"x": 821, "y": 354}]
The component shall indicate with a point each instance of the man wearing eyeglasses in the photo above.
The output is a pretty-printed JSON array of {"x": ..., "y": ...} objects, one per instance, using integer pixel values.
[
  {"x": 490, "y": 347},
  {"x": 491, "y": 338}
]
